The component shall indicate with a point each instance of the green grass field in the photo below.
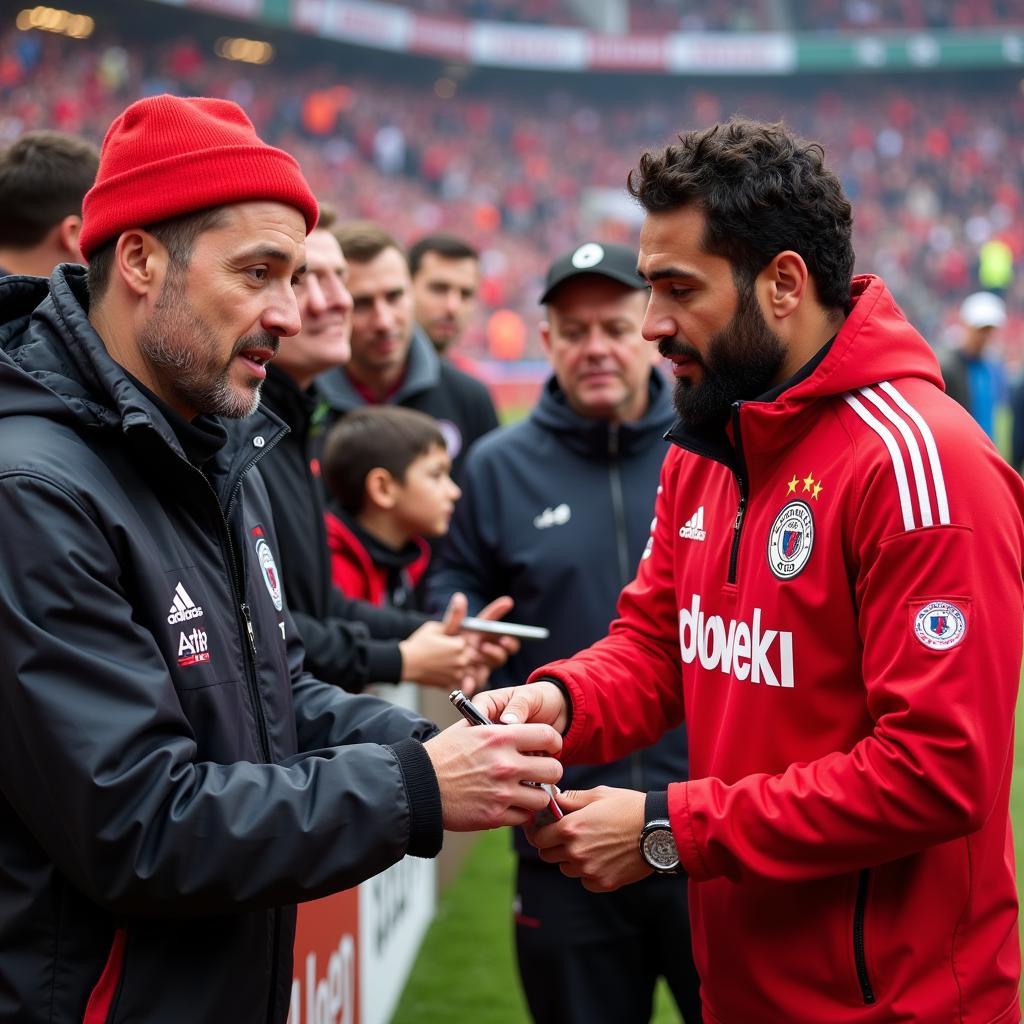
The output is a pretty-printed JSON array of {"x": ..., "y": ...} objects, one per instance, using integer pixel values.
[{"x": 465, "y": 970}]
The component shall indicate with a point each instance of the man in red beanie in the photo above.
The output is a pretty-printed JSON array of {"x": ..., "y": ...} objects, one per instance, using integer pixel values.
[{"x": 172, "y": 780}]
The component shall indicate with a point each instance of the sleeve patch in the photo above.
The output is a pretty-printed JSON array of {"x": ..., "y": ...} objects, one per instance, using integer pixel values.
[{"x": 939, "y": 625}]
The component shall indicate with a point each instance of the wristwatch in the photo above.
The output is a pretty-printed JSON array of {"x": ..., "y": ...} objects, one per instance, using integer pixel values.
[{"x": 657, "y": 844}]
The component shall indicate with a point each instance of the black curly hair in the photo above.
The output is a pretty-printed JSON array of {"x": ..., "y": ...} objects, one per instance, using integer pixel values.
[{"x": 762, "y": 190}]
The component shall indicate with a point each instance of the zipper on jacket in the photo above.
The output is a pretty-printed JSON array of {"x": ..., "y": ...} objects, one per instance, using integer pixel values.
[
  {"x": 866, "y": 991},
  {"x": 242, "y": 612},
  {"x": 740, "y": 472},
  {"x": 618, "y": 504},
  {"x": 248, "y": 627}
]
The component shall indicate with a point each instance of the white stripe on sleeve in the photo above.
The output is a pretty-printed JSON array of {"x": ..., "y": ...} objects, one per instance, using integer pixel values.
[
  {"x": 929, "y": 443},
  {"x": 924, "y": 502},
  {"x": 895, "y": 455}
]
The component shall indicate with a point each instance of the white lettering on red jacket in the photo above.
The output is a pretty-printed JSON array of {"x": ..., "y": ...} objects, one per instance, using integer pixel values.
[{"x": 738, "y": 649}]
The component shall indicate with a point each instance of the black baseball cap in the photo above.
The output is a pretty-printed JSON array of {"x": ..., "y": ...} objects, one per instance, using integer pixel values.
[{"x": 604, "y": 258}]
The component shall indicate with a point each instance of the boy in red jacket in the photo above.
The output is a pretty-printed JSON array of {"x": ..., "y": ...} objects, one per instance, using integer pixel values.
[
  {"x": 831, "y": 597},
  {"x": 388, "y": 470}
]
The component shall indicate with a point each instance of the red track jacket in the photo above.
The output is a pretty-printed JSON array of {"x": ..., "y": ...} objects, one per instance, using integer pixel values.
[{"x": 843, "y": 584}]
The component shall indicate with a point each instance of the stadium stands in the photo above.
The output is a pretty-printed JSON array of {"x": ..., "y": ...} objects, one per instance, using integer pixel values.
[{"x": 933, "y": 162}]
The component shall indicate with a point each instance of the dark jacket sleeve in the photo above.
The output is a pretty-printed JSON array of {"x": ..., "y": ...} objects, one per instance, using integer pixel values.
[
  {"x": 344, "y": 654},
  {"x": 382, "y": 623},
  {"x": 100, "y": 763}
]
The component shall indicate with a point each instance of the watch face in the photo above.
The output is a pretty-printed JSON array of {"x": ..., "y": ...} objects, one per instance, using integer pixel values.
[{"x": 659, "y": 849}]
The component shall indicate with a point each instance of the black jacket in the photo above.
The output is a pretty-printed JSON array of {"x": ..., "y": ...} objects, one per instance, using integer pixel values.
[
  {"x": 349, "y": 643},
  {"x": 556, "y": 511},
  {"x": 171, "y": 780},
  {"x": 459, "y": 402}
]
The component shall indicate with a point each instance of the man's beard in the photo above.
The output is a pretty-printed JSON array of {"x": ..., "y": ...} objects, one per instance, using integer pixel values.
[
  {"x": 742, "y": 361},
  {"x": 183, "y": 350}
]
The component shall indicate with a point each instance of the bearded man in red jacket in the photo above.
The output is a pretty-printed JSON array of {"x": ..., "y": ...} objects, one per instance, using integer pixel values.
[{"x": 831, "y": 597}]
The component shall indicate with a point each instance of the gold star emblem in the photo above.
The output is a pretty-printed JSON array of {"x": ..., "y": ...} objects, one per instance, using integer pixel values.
[
  {"x": 816, "y": 491},
  {"x": 792, "y": 484},
  {"x": 808, "y": 482}
]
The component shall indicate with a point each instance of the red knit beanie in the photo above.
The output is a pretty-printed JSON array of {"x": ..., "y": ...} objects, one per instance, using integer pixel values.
[{"x": 166, "y": 156}]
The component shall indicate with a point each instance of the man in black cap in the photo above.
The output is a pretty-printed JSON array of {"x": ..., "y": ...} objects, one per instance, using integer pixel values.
[{"x": 573, "y": 485}]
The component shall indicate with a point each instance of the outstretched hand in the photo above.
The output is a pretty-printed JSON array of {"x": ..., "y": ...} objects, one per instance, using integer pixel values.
[{"x": 598, "y": 840}]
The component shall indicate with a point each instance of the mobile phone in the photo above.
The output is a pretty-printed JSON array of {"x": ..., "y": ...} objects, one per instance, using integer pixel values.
[
  {"x": 502, "y": 628},
  {"x": 472, "y": 714}
]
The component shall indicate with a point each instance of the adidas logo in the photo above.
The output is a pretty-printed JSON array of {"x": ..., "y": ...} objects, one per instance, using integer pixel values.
[
  {"x": 693, "y": 528},
  {"x": 183, "y": 608},
  {"x": 557, "y": 516}
]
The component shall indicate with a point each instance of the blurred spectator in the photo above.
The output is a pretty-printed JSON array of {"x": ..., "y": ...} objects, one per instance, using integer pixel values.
[
  {"x": 44, "y": 176},
  {"x": 388, "y": 472},
  {"x": 445, "y": 273},
  {"x": 858, "y": 15},
  {"x": 392, "y": 360},
  {"x": 973, "y": 377}
]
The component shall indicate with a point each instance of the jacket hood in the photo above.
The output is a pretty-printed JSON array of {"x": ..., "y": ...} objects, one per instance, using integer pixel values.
[
  {"x": 422, "y": 372},
  {"x": 37, "y": 376},
  {"x": 875, "y": 343},
  {"x": 592, "y": 437}
]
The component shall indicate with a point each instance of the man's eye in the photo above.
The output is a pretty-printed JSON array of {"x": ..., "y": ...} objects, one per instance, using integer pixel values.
[
  {"x": 258, "y": 273},
  {"x": 679, "y": 293}
]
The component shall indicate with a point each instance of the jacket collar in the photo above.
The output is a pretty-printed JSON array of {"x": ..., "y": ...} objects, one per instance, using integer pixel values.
[
  {"x": 422, "y": 372},
  {"x": 875, "y": 343},
  {"x": 596, "y": 438}
]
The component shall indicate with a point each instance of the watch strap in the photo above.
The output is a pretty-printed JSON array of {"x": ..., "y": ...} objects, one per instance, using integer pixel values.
[{"x": 656, "y": 806}]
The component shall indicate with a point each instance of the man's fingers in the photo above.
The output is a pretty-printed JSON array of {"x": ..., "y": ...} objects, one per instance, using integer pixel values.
[
  {"x": 455, "y": 613},
  {"x": 574, "y": 799},
  {"x": 535, "y": 737},
  {"x": 553, "y": 854},
  {"x": 497, "y": 609},
  {"x": 523, "y": 705}
]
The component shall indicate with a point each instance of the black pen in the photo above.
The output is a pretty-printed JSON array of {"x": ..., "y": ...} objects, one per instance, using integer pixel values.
[{"x": 472, "y": 714}]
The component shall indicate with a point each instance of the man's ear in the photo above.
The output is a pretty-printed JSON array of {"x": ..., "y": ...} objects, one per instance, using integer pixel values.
[
  {"x": 381, "y": 488},
  {"x": 68, "y": 231},
  {"x": 545, "y": 337},
  {"x": 141, "y": 262},
  {"x": 784, "y": 284}
]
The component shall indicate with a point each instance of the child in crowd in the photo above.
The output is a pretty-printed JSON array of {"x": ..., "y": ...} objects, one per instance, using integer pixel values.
[{"x": 387, "y": 470}]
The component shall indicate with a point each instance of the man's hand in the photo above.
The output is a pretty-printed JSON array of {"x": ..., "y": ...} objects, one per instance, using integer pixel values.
[
  {"x": 494, "y": 650},
  {"x": 538, "y": 702},
  {"x": 436, "y": 654},
  {"x": 481, "y": 770},
  {"x": 598, "y": 840},
  {"x": 487, "y": 652}
]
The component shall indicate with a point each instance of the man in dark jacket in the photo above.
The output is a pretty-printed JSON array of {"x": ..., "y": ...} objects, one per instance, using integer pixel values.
[
  {"x": 348, "y": 642},
  {"x": 392, "y": 360},
  {"x": 44, "y": 176},
  {"x": 172, "y": 780},
  {"x": 573, "y": 485}
]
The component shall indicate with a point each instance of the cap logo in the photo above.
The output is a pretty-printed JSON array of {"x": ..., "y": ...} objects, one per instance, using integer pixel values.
[{"x": 587, "y": 256}]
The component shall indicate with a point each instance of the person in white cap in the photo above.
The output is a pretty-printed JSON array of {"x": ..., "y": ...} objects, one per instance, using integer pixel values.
[{"x": 973, "y": 378}]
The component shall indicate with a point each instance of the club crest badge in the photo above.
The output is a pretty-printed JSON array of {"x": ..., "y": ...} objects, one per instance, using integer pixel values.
[
  {"x": 940, "y": 625},
  {"x": 271, "y": 576},
  {"x": 791, "y": 540}
]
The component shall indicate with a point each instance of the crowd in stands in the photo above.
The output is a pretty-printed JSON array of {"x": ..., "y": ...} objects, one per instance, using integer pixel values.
[
  {"x": 547, "y": 12},
  {"x": 861, "y": 15},
  {"x": 932, "y": 163},
  {"x": 693, "y": 16}
]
